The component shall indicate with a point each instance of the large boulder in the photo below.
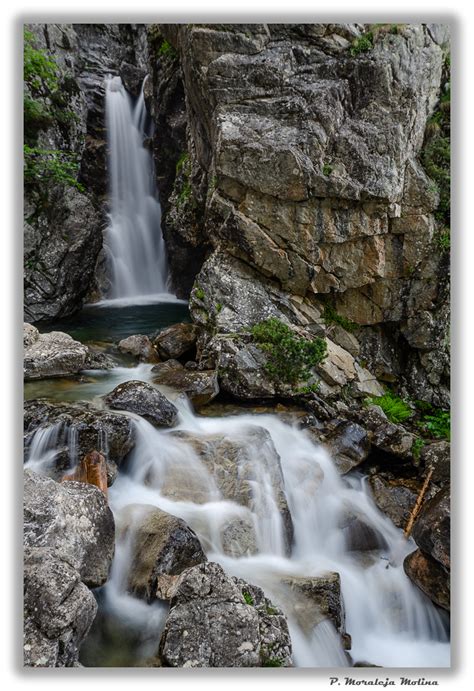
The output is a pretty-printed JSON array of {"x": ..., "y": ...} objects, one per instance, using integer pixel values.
[
  {"x": 429, "y": 576},
  {"x": 176, "y": 340},
  {"x": 387, "y": 436},
  {"x": 219, "y": 621},
  {"x": 395, "y": 497},
  {"x": 72, "y": 520},
  {"x": 140, "y": 347},
  {"x": 200, "y": 386},
  {"x": 72, "y": 431},
  {"x": 232, "y": 462},
  {"x": 143, "y": 399},
  {"x": 162, "y": 545},
  {"x": 432, "y": 530},
  {"x": 53, "y": 354}
]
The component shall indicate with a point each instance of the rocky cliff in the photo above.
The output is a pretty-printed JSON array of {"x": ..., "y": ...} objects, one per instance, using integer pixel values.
[{"x": 293, "y": 164}]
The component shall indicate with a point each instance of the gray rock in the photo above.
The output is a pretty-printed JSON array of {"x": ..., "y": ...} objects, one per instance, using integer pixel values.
[
  {"x": 140, "y": 346},
  {"x": 238, "y": 538},
  {"x": 176, "y": 340},
  {"x": 395, "y": 497},
  {"x": 162, "y": 545},
  {"x": 144, "y": 400},
  {"x": 199, "y": 386},
  {"x": 432, "y": 529},
  {"x": 73, "y": 521},
  {"x": 349, "y": 445},
  {"x": 212, "y": 625},
  {"x": 386, "y": 435},
  {"x": 324, "y": 593},
  {"x": 76, "y": 430},
  {"x": 53, "y": 354},
  {"x": 429, "y": 576},
  {"x": 438, "y": 456}
]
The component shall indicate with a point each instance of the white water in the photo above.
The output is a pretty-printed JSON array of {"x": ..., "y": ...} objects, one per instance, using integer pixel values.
[
  {"x": 391, "y": 622},
  {"x": 134, "y": 242}
]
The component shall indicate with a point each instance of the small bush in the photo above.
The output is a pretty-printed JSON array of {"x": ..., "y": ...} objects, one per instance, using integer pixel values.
[
  {"x": 272, "y": 662},
  {"x": 362, "y": 44},
  {"x": 395, "y": 408},
  {"x": 416, "y": 448},
  {"x": 330, "y": 316},
  {"x": 166, "y": 50},
  {"x": 199, "y": 293},
  {"x": 290, "y": 358},
  {"x": 327, "y": 169},
  {"x": 247, "y": 597},
  {"x": 43, "y": 165}
]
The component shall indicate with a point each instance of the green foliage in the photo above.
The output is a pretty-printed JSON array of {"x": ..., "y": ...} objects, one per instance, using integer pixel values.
[
  {"x": 199, "y": 293},
  {"x": 40, "y": 71},
  {"x": 437, "y": 424},
  {"x": 271, "y": 610},
  {"x": 330, "y": 316},
  {"x": 327, "y": 169},
  {"x": 166, "y": 50},
  {"x": 395, "y": 408},
  {"x": 41, "y": 165},
  {"x": 289, "y": 357},
  {"x": 362, "y": 44},
  {"x": 247, "y": 597},
  {"x": 182, "y": 161},
  {"x": 218, "y": 307},
  {"x": 416, "y": 448},
  {"x": 311, "y": 388},
  {"x": 272, "y": 662},
  {"x": 444, "y": 240}
]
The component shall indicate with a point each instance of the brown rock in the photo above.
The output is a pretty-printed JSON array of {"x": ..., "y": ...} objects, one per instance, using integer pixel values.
[
  {"x": 176, "y": 340},
  {"x": 429, "y": 576},
  {"x": 93, "y": 470}
]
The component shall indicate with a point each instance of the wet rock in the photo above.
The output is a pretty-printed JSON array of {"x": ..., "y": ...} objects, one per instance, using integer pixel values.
[
  {"x": 162, "y": 545},
  {"x": 143, "y": 399},
  {"x": 92, "y": 469},
  {"x": 349, "y": 445},
  {"x": 432, "y": 530},
  {"x": 199, "y": 386},
  {"x": 359, "y": 535},
  {"x": 324, "y": 592},
  {"x": 58, "y": 610},
  {"x": 53, "y": 354},
  {"x": 99, "y": 360},
  {"x": 74, "y": 521},
  {"x": 79, "y": 428},
  {"x": 140, "y": 346},
  {"x": 176, "y": 340},
  {"x": 232, "y": 463},
  {"x": 395, "y": 497},
  {"x": 212, "y": 624},
  {"x": 429, "y": 576},
  {"x": 239, "y": 539},
  {"x": 438, "y": 456}
]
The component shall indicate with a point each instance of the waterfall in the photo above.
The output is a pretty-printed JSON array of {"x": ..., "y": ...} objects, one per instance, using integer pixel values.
[{"x": 134, "y": 242}]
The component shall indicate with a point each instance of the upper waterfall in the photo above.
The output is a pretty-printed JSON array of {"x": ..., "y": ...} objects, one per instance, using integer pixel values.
[{"x": 134, "y": 241}]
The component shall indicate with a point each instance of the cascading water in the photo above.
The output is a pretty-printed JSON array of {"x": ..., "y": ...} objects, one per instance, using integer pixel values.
[
  {"x": 391, "y": 622},
  {"x": 134, "y": 242}
]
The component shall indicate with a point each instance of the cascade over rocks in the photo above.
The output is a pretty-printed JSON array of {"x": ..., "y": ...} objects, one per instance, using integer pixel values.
[
  {"x": 80, "y": 428},
  {"x": 212, "y": 624},
  {"x": 143, "y": 399}
]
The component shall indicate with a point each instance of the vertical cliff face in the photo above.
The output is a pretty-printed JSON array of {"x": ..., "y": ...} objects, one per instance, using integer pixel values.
[
  {"x": 296, "y": 167},
  {"x": 65, "y": 155}
]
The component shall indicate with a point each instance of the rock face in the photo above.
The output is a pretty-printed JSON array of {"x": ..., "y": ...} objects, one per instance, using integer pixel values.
[
  {"x": 219, "y": 621},
  {"x": 53, "y": 354},
  {"x": 74, "y": 430},
  {"x": 163, "y": 546},
  {"x": 144, "y": 400},
  {"x": 395, "y": 497},
  {"x": 324, "y": 594},
  {"x": 68, "y": 547},
  {"x": 308, "y": 174}
]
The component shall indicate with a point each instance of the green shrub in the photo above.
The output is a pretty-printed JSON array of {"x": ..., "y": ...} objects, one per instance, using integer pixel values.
[
  {"x": 394, "y": 407},
  {"x": 199, "y": 293},
  {"x": 330, "y": 316},
  {"x": 362, "y": 44},
  {"x": 437, "y": 424},
  {"x": 40, "y": 70},
  {"x": 272, "y": 662},
  {"x": 247, "y": 597},
  {"x": 416, "y": 448},
  {"x": 166, "y": 50},
  {"x": 43, "y": 165},
  {"x": 444, "y": 240},
  {"x": 327, "y": 169},
  {"x": 290, "y": 358},
  {"x": 182, "y": 161}
]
